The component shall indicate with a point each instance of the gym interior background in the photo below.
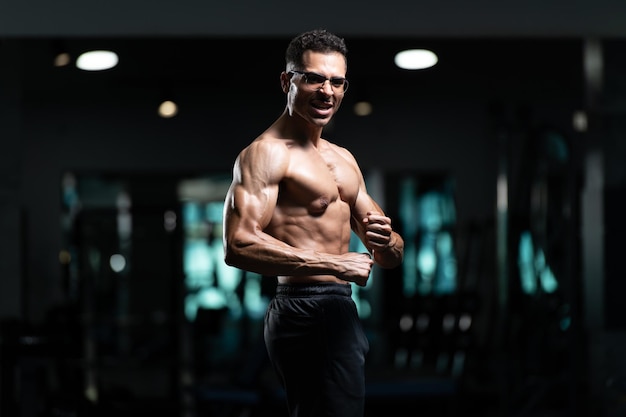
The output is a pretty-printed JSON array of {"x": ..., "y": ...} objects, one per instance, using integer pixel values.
[{"x": 502, "y": 166}]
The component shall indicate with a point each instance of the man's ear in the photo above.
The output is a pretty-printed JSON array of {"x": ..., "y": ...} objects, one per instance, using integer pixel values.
[{"x": 284, "y": 82}]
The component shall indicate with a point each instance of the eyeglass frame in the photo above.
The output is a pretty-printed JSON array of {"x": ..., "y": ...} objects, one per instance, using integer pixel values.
[{"x": 305, "y": 74}]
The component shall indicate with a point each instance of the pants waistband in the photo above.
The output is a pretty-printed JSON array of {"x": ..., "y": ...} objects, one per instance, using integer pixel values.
[{"x": 330, "y": 288}]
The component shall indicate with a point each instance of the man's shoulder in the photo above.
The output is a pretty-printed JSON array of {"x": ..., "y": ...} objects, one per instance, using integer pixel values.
[
  {"x": 265, "y": 147},
  {"x": 267, "y": 142},
  {"x": 340, "y": 149}
]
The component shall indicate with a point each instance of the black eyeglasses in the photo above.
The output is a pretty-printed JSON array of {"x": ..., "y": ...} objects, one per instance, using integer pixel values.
[{"x": 316, "y": 81}]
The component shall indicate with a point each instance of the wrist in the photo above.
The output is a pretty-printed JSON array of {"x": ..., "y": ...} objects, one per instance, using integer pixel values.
[{"x": 390, "y": 245}]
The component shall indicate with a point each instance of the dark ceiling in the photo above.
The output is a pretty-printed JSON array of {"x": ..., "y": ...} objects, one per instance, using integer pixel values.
[
  {"x": 251, "y": 18},
  {"x": 227, "y": 66}
]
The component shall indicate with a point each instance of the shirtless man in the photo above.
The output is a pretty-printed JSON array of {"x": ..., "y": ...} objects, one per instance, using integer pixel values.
[{"x": 289, "y": 212}]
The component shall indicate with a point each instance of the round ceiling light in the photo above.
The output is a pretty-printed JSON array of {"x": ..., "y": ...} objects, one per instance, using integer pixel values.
[
  {"x": 97, "y": 60},
  {"x": 415, "y": 59}
]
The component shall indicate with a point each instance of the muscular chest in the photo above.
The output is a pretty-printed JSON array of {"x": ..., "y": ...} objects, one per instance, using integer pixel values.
[{"x": 316, "y": 180}]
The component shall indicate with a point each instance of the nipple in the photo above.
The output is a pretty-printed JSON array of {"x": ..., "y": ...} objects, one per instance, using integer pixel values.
[{"x": 320, "y": 206}]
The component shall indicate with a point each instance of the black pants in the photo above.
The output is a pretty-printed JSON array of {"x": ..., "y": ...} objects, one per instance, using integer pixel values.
[{"x": 316, "y": 343}]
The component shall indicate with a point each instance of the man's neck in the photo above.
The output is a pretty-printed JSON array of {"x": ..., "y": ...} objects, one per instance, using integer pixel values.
[{"x": 297, "y": 128}]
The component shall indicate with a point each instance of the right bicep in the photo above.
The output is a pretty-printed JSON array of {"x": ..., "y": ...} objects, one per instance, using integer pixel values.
[
  {"x": 253, "y": 194},
  {"x": 249, "y": 207}
]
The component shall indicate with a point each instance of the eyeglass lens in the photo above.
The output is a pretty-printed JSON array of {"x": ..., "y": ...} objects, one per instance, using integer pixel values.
[{"x": 317, "y": 80}]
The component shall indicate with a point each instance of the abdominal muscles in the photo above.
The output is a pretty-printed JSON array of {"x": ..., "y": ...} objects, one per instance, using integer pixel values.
[{"x": 326, "y": 230}]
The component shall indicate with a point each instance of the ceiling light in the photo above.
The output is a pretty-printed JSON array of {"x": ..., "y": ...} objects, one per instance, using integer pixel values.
[
  {"x": 97, "y": 60},
  {"x": 168, "y": 109},
  {"x": 62, "y": 59},
  {"x": 363, "y": 108},
  {"x": 415, "y": 59}
]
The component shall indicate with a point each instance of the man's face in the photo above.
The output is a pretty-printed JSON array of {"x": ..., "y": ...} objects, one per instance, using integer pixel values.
[{"x": 314, "y": 102}]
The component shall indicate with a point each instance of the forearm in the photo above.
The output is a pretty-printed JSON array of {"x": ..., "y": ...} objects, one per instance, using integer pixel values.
[
  {"x": 278, "y": 258},
  {"x": 392, "y": 255}
]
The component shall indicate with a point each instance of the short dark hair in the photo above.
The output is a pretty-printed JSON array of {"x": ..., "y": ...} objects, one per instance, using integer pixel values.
[{"x": 317, "y": 40}]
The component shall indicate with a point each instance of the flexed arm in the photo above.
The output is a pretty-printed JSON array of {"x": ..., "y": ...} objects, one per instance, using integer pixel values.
[{"x": 373, "y": 226}]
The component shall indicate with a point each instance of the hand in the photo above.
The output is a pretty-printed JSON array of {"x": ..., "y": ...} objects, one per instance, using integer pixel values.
[
  {"x": 377, "y": 231},
  {"x": 356, "y": 267}
]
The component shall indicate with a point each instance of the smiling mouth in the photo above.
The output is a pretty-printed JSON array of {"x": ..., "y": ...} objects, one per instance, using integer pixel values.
[
  {"x": 322, "y": 106},
  {"x": 322, "y": 112}
]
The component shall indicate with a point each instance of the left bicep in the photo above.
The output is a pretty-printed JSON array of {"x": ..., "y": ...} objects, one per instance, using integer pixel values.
[{"x": 363, "y": 203}]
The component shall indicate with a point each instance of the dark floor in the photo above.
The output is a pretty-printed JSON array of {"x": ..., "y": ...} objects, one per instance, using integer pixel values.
[{"x": 396, "y": 402}]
